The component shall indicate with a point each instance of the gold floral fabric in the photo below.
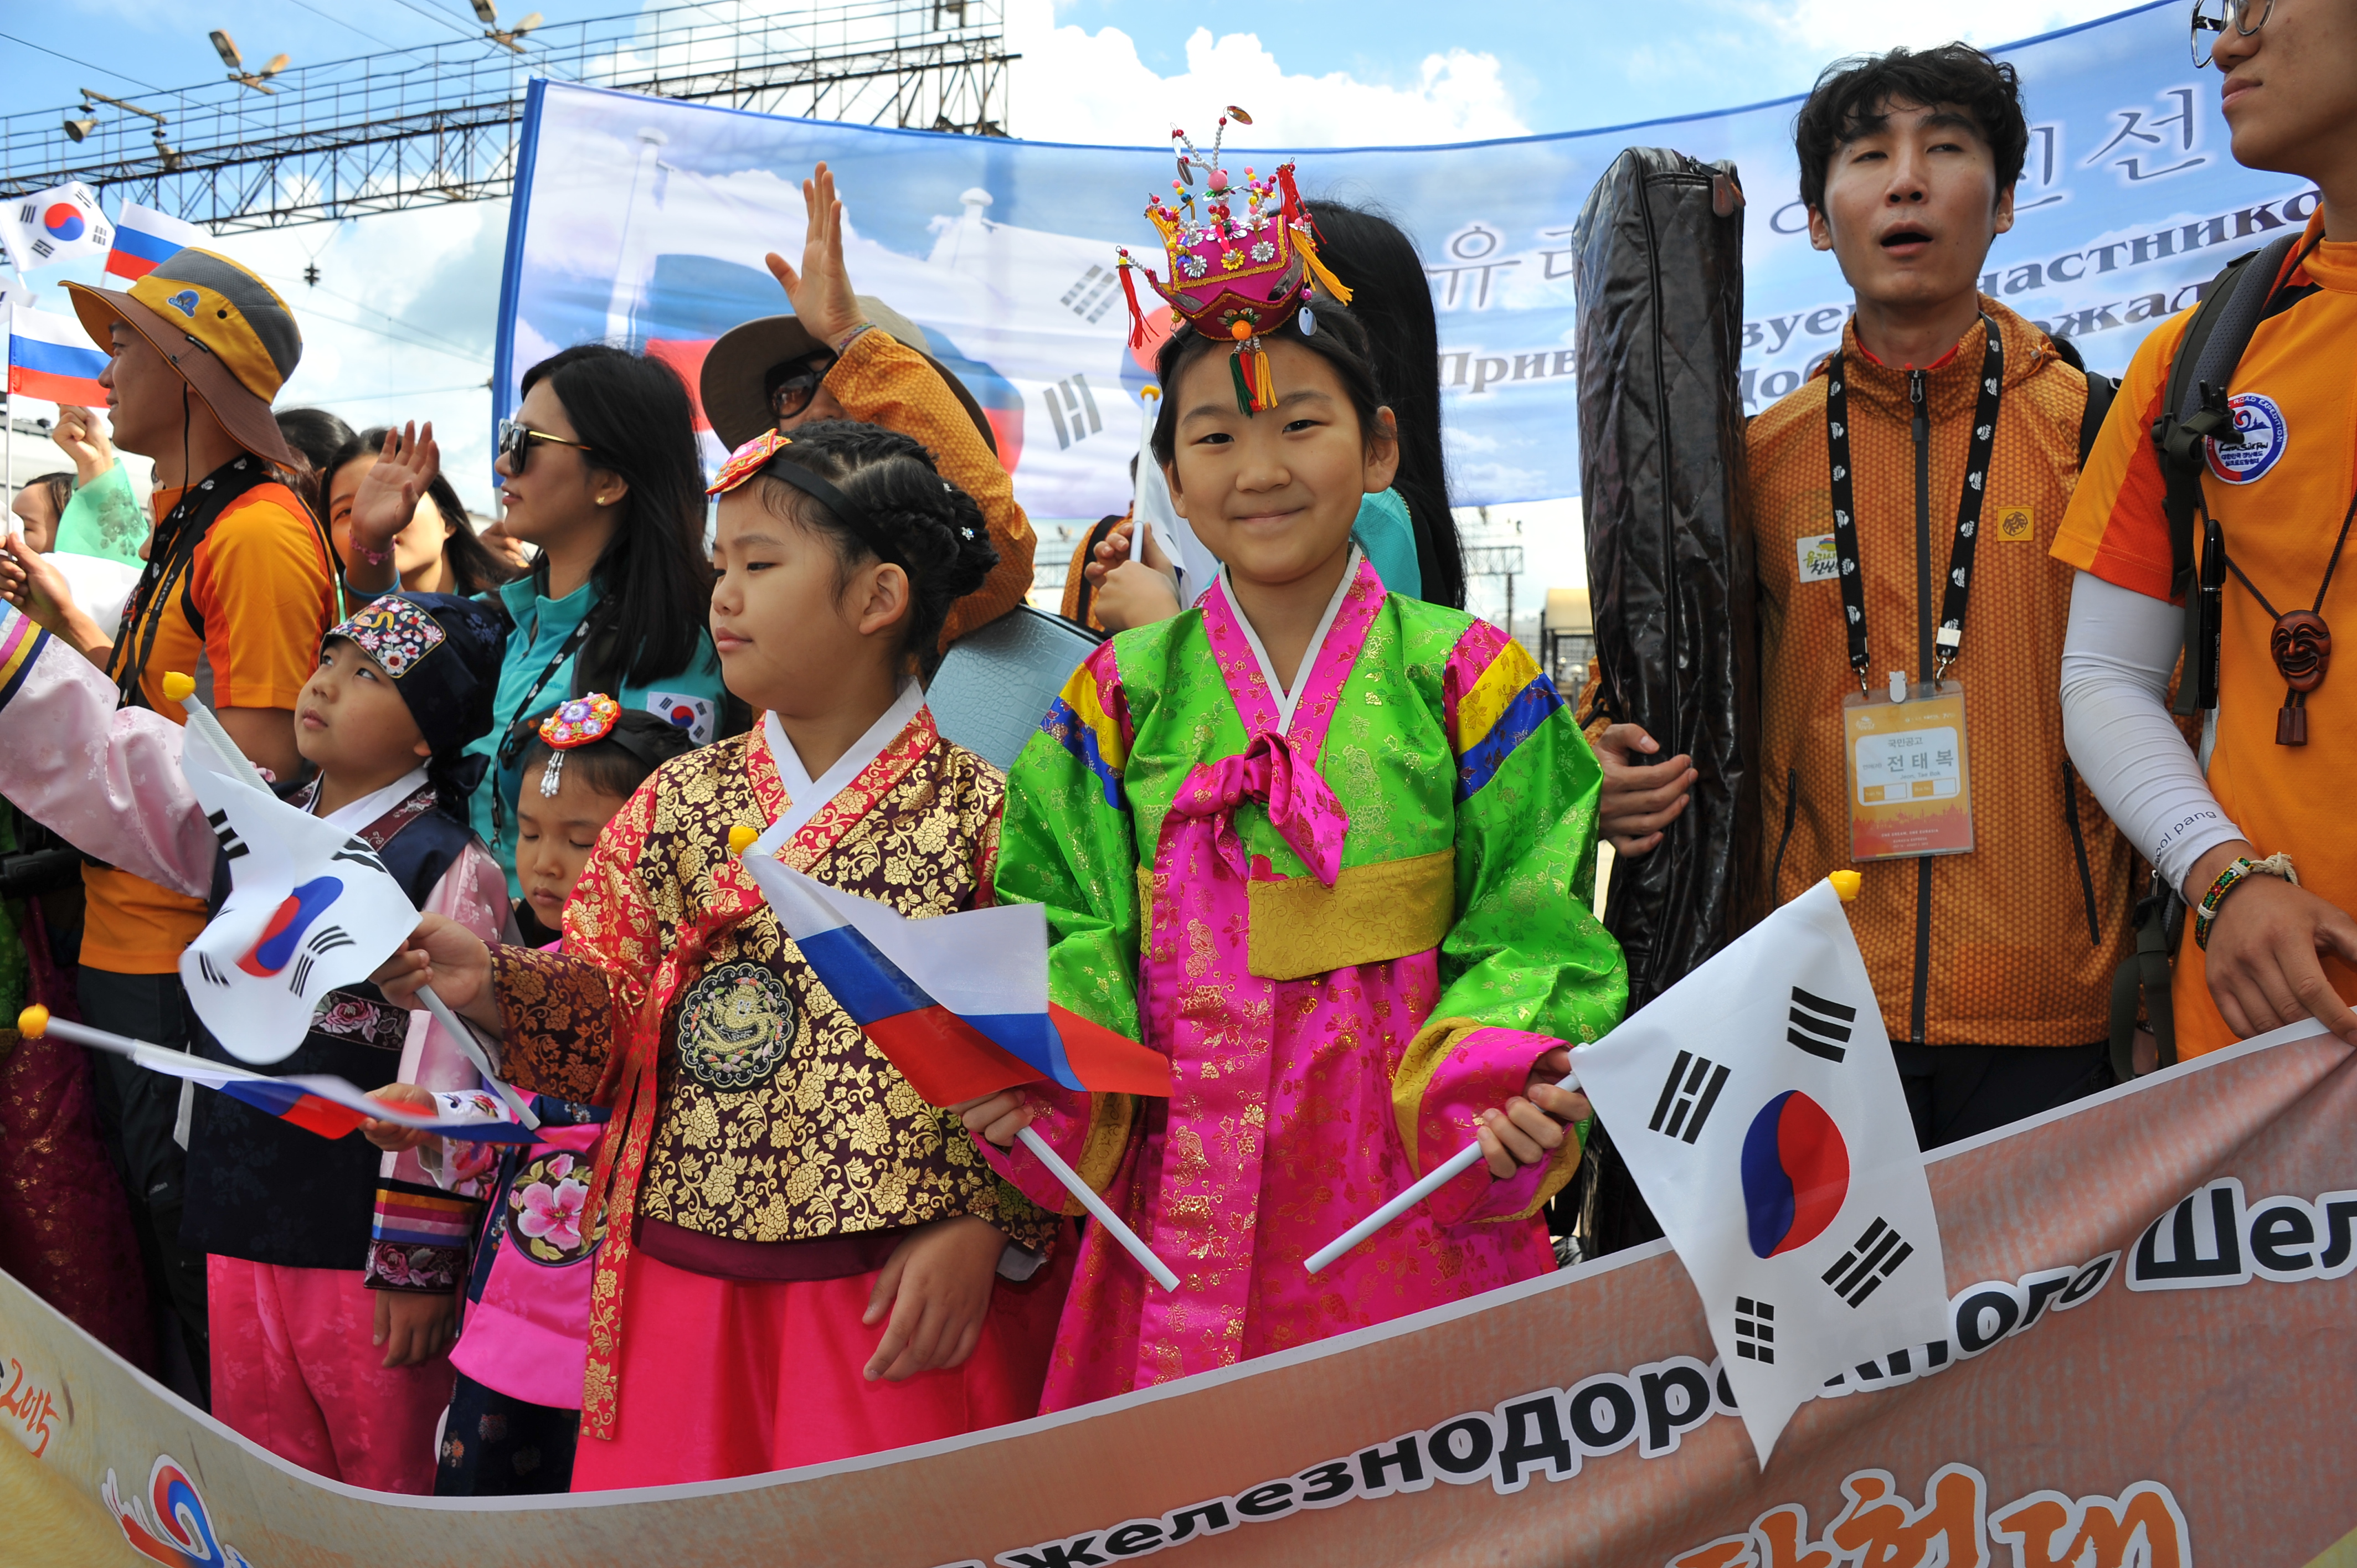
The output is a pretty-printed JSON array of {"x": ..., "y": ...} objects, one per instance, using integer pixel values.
[{"x": 747, "y": 1104}]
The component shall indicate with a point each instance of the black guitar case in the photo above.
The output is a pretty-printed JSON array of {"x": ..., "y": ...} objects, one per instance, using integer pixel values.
[{"x": 1658, "y": 271}]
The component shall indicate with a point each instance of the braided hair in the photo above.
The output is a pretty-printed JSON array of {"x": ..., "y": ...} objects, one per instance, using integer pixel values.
[{"x": 916, "y": 519}]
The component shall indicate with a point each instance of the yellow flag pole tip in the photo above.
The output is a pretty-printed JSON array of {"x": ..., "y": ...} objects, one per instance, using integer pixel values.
[
  {"x": 33, "y": 1022},
  {"x": 1846, "y": 884},
  {"x": 178, "y": 688},
  {"x": 740, "y": 839}
]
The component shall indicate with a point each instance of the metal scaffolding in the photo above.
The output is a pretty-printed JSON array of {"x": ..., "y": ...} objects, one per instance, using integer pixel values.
[{"x": 438, "y": 122}]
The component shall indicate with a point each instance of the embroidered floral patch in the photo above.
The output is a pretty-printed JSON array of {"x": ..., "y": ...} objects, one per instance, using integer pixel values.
[
  {"x": 735, "y": 1026},
  {"x": 547, "y": 1203},
  {"x": 393, "y": 632}
]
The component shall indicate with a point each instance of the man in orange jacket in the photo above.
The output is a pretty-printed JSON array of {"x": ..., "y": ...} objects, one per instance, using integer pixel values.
[{"x": 1903, "y": 502}]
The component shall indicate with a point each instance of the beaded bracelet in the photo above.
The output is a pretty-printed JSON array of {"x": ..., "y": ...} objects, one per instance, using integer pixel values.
[
  {"x": 373, "y": 557},
  {"x": 2237, "y": 871},
  {"x": 853, "y": 337}
]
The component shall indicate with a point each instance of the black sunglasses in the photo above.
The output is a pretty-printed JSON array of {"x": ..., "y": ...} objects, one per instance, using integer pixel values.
[
  {"x": 798, "y": 382},
  {"x": 517, "y": 440}
]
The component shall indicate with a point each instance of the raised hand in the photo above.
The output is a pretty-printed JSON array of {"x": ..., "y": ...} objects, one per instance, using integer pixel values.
[
  {"x": 80, "y": 437},
  {"x": 387, "y": 499},
  {"x": 820, "y": 292}
]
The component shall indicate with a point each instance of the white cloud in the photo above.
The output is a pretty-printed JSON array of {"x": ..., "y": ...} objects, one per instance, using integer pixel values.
[{"x": 1078, "y": 86}]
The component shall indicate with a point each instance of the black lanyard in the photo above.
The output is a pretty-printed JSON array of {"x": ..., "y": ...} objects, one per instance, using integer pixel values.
[
  {"x": 511, "y": 744},
  {"x": 1951, "y": 638},
  {"x": 171, "y": 560}
]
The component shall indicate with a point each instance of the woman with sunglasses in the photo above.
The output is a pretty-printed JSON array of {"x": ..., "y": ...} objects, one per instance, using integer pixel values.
[{"x": 598, "y": 471}]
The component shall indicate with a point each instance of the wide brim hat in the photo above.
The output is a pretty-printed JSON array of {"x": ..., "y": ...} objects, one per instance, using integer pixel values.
[
  {"x": 730, "y": 384},
  {"x": 226, "y": 332}
]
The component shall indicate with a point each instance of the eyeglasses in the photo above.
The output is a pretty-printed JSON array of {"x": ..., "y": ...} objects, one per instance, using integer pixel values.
[
  {"x": 794, "y": 393},
  {"x": 517, "y": 440},
  {"x": 2211, "y": 17}
]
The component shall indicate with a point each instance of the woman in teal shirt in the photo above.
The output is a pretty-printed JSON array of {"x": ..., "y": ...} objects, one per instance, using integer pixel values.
[{"x": 598, "y": 471}]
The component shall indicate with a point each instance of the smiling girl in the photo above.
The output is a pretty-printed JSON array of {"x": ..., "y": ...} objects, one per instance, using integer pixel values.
[
  {"x": 802, "y": 1260},
  {"x": 1328, "y": 847}
]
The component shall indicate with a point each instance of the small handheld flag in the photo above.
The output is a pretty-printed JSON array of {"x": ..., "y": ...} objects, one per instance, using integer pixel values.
[
  {"x": 51, "y": 358},
  {"x": 44, "y": 228},
  {"x": 331, "y": 1107},
  {"x": 145, "y": 238},
  {"x": 310, "y": 908},
  {"x": 1760, "y": 1109},
  {"x": 959, "y": 1003}
]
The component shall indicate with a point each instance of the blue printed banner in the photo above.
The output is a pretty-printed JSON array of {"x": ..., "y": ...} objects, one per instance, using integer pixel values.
[{"x": 644, "y": 220}]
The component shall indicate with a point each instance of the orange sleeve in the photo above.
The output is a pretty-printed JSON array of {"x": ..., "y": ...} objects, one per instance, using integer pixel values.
[
  {"x": 881, "y": 380},
  {"x": 2115, "y": 527},
  {"x": 262, "y": 587}
]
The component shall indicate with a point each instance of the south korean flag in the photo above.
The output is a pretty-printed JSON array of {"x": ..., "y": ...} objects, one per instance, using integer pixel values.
[
  {"x": 1760, "y": 1109},
  {"x": 310, "y": 908}
]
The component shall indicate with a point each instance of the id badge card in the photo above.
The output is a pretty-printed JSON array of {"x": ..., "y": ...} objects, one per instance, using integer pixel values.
[{"x": 1911, "y": 781}]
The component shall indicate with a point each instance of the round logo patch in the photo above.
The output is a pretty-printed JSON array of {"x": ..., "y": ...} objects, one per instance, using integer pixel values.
[
  {"x": 2265, "y": 434},
  {"x": 735, "y": 1026}
]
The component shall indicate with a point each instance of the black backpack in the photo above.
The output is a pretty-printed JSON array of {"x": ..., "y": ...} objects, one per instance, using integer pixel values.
[{"x": 2193, "y": 410}]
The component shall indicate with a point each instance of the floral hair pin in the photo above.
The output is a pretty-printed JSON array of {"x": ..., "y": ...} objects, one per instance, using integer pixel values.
[{"x": 577, "y": 722}]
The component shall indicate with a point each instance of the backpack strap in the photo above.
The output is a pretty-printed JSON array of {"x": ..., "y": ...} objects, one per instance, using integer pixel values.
[
  {"x": 2101, "y": 391},
  {"x": 2193, "y": 410}
]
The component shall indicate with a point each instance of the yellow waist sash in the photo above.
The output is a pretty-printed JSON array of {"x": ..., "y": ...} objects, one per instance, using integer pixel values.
[{"x": 1373, "y": 914}]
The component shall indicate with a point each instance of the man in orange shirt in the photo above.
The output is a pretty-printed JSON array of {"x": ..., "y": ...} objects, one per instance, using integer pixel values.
[
  {"x": 237, "y": 592},
  {"x": 1901, "y": 502},
  {"x": 2265, "y": 949}
]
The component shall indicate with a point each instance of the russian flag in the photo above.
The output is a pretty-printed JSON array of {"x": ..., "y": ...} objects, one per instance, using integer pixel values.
[
  {"x": 144, "y": 238},
  {"x": 958, "y": 1003},
  {"x": 51, "y": 358}
]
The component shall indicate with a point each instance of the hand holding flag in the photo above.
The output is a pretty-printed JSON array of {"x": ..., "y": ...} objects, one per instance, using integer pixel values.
[
  {"x": 959, "y": 1003},
  {"x": 319, "y": 1103}
]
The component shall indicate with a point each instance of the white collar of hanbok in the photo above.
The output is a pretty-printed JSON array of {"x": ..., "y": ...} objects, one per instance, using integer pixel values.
[
  {"x": 1284, "y": 698},
  {"x": 358, "y": 814},
  {"x": 805, "y": 795}
]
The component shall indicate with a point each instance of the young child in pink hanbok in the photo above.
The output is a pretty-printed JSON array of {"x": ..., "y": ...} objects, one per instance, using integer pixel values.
[{"x": 1328, "y": 847}]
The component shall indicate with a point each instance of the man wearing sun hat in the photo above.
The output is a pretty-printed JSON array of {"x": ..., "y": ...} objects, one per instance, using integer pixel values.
[
  {"x": 237, "y": 592},
  {"x": 846, "y": 356}
]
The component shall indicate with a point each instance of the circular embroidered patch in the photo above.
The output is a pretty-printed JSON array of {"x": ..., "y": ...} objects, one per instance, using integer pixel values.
[
  {"x": 735, "y": 1026},
  {"x": 547, "y": 1219},
  {"x": 2265, "y": 434}
]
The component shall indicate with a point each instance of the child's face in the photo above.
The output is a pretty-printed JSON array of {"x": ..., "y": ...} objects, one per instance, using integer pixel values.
[
  {"x": 555, "y": 835},
  {"x": 1274, "y": 495},
  {"x": 349, "y": 719},
  {"x": 788, "y": 622}
]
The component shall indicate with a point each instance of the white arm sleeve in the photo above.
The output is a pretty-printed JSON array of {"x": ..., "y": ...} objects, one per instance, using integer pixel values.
[{"x": 2117, "y": 659}]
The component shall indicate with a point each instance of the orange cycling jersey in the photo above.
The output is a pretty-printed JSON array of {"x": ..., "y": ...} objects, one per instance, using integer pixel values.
[{"x": 2279, "y": 499}]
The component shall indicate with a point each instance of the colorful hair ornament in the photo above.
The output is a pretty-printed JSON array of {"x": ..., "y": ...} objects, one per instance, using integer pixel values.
[
  {"x": 576, "y": 723},
  {"x": 748, "y": 460},
  {"x": 1242, "y": 259}
]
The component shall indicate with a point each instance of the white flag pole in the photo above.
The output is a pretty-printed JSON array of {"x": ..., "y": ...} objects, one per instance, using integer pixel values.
[
  {"x": 1458, "y": 1164},
  {"x": 457, "y": 1030},
  {"x": 1845, "y": 884},
  {"x": 1098, "y": 1210},
  {"x": 182, "y": 688}
]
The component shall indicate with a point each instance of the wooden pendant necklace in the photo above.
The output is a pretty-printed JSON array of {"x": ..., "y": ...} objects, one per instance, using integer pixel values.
[{"x": 2300, "y": 642}]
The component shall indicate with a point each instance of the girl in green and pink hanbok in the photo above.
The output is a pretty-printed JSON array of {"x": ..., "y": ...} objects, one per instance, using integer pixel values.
[{"x": 1329, "y": 848}]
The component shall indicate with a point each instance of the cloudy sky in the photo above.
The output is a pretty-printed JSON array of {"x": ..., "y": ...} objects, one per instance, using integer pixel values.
[{"x": 401, "y": 322}]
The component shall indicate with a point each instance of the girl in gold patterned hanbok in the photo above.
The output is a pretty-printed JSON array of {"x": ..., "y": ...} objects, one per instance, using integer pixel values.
[{"x": 802, "y": 1260}]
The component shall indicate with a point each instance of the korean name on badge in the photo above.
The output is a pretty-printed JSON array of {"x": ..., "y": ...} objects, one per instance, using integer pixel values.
[{"x": 1911, "y": 781}]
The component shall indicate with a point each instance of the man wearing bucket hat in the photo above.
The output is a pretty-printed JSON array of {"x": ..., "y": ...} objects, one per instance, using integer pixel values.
[
  {"x": 846, "y": 356},
  {"x": 237, "y": 591}
]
